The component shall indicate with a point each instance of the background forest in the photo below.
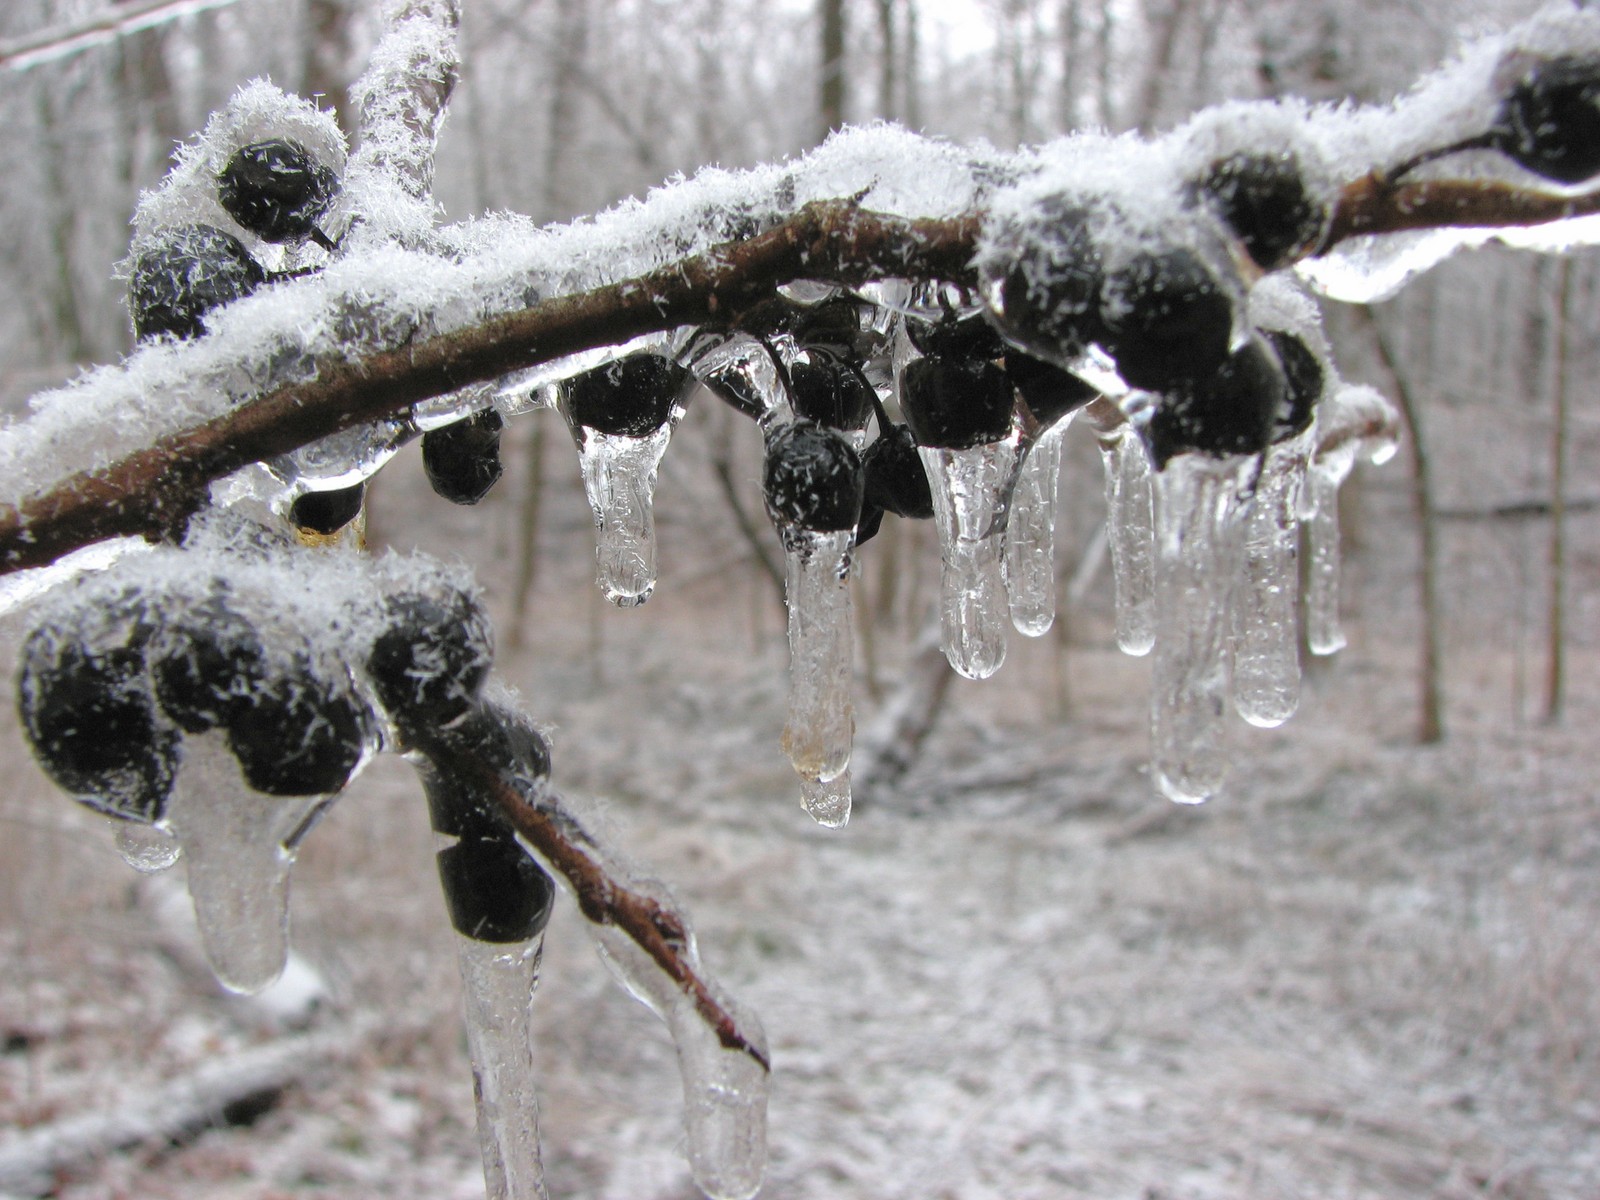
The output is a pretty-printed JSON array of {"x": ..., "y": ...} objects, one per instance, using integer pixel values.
[{"x": 1370, "y": 968}]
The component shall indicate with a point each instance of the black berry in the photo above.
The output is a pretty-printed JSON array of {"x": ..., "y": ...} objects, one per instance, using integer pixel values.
[
  {"x": 209, "y": 664},
  {"x": 1549, "y": 121},
  {"x": 895, "y": 478},
  {"x": 1169, "y": 319},
  {"x": 1263, "y": 200},
  {"x": 276, "y": 190},
  {"x": 953, "y": 337},
  {"x": 632, "y": 397},
  {"x": 1049, "y": 392},
  {"x": 813, "y": 479},
  {"x": 428, "y": 665},
  {"x": 86, "y": 706},
  {"x": 832, "y": 394},
  {"x": 300, "y": 735},
  {"x": 1231, "y": 412},
  {"x": 327, "y": 512},
  {"x": 1052, "y": 305},
  {"x": 462, "y": 461},
  {"x": 198, "y": 268},
  {"x": 494, "y": 891},
  {"x": 956, "y": 403},
  {"x": 1304, "y": 376},
  {"x": 832, "y": 327}
]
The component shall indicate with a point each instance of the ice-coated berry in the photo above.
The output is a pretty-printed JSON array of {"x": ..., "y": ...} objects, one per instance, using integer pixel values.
[
  {"x": 1231, "y": 412},
  {"x": 1549, "y": 121},
  {"x": 1264, "y": 201},
  {"x": 895, "y": 478},
  {"x": 953, "y": 337},
  {"x": 813, "y": 479},
  {"x": 195, "y": 269},
  {"x": 832, "y": 327},
  {"x": 494, "y": 891},
  {"x": 329, "y": 511},
  {"x": 1169, "y": 319},
  {"x": 1051, "y": 305},
  {"x": 85, "y": 703},
  {"x": 462, "y": 461},
  {"x": 300, "y": 735},
  {"x": 1305, "y": 377},
  {"x": 956, "y": 403},
  {"x": 632, "y": 397},
  {"x": 429, "y": 663},
  {"x": 831, "y": 394},
  {"x": 501, "y": 738},
  {"x": 276, "y": 190},
  {"x": 207, "y": 665},
  {"x": 1049, "y": 392}
]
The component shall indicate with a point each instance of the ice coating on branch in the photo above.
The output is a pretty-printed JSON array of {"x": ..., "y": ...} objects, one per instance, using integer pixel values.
[
  {"x": 821, "y": 720},
  {"x": 1266, "y": 606},
  {"x": 498, "y": 981},
  {"x": 970, "y": 492},
  {"x": 619, "y": 477},
  {"x": 1199, "y": 509},
  {"x": 240, "y": 846},
  {"x": 1130, "y": 532},
  {"x": 1030, "y": 559},
  {"x": 724, "y": 1088}
]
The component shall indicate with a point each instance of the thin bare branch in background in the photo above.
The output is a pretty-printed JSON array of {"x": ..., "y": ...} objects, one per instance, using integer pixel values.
[{"x": 61, "y": 41}]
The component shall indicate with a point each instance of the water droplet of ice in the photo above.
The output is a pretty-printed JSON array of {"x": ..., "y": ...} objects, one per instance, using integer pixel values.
[
  {"x": 240, "y": 846},
  {"x": 1030, "y": 563},
  {"x": 147, "y": 848},
  {"x": 346, "y": 458},
  {"x": 1266, "y": 610},
  {"x": 969, "y": 500},
  {"x": 1198, "y": 526},
  {"x": 821, "y": 718},
  {"x": 498, "y": 982},
  {"x": 619, "y": 477},
  {"x": 1130, "y": 531},
  {"x": 1365, "y": 270},
  {"x": 827, "y": 802}
]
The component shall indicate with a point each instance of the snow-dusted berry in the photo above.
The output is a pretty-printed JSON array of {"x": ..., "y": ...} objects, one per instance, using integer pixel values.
[
  {"x": 813, "y": 479},
  {"x": 1169, "y": 319},
  {"x": 632, "y": 397},
  {"x": 429, "y": 663},
  {"x": 195, "y": 269},
  {"x": 1050, "y": 304},
  {"x": 1264, "y": 201},
  {"x": 302, "y": 734},
  {"x": 277, "y": 190},
  {"x": 1230, "y": 412},
  {"x": 955, "y": 403},
  {"x": 1549, "y": 121},
  {"x": 207, "y": 664}
]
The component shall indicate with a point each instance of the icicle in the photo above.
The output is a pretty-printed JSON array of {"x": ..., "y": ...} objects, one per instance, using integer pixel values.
[
  {"x": 724, "y": 1089},
  {"x": 969, "y": 500},
  {"x": 147, "y": 848},
  {"x": 1131, "y": 534},
  {"x": 619, "y": 476},
  {"x": 1266, "y": 611},
  {"x": 1324, "y": 635},
  {"x": 827, "y": 802},
  {"x": 1198, "y": 526},
  {"x": 240, "y": 846},
  {"x": 821, "y": 717},
  {"x": 498, "y": 980},
  {"x": 1030, "y": 563}
]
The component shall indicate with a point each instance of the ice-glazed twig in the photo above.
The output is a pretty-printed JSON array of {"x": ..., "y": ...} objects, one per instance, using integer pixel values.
[{"x": 604, "y": 894}]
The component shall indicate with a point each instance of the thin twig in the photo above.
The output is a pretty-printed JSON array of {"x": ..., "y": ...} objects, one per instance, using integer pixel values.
[{"x": 58, "y": 41}]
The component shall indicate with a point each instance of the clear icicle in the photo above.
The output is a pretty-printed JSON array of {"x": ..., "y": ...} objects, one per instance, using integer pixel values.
[
  {"x": 240, "y": 847},
  {"x": 1324, "y": 634},
  {"x": 147, "y": 848},
  {"x": 619, "y": 476},
  {"x": 1266, "y": 610},
  {"x": 1198, "y": 527},
  {"x": 724, "y": 1089},
  {"x": 969, "y": 501},
  {"x": 1130, "y": 531},
  {"x": 1030, "y": 563},
  {"x": 821, "y": 717},
  {"x": 498, "y": 981},
  {"x": 827, "y": 801}
]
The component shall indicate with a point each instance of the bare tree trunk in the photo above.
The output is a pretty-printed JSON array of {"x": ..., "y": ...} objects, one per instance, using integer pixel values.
[
  {"x": 328, "y": 67},
  {"x": 571, "y": 43},
  {"x": 831, "y": 93},
  {"x": 1430, "y": 727},
  {"x": 888, "y": 73},
  {"x": 1165, "y": 27},
  {"x": 1555, "y": 684},
  {"x": 1071, "y": 38},
  {"x": 912, "y": 68},
  {"x": 1106, "y": 81}
]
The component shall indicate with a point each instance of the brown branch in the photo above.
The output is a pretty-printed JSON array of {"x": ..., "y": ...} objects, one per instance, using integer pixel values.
[
  {"x": 151, "y": 489},
  {"x": 535, "y": 812},
  {"x": 1373, "y": 205}
]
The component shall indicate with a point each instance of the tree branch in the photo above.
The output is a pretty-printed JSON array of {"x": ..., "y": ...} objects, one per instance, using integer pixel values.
[{"x": 59, "y": 41}]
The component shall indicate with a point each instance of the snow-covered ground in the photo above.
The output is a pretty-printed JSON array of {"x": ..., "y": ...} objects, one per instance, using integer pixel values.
[{"x": 1367, "y": 970}]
